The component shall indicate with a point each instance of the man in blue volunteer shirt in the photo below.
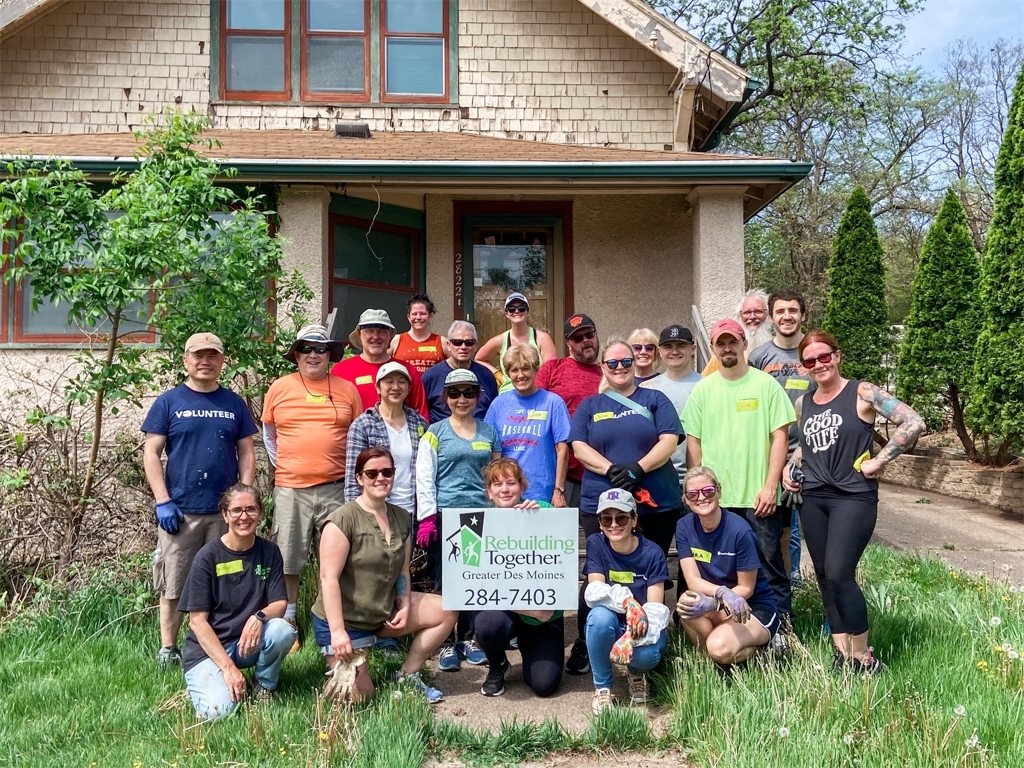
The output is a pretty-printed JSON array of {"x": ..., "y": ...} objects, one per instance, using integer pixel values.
[
  {"x": 462, "y": 342},
  {"x": 207, "y": 432}
]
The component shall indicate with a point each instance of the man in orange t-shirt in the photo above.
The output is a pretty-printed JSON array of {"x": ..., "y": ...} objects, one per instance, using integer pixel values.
[{"x": 306, "y": 416}]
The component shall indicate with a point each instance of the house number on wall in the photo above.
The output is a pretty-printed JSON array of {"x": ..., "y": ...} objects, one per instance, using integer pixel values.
[{"x": 458, "y": 282}]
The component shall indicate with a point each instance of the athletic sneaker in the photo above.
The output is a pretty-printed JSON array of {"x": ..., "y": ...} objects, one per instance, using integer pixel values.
[
  {"x": 388, "y": 648},
  {"x": 168, "y": 657},
  {"x": 724, "y": 670},
  {"x": 470, "y": 651},
  {"x": 838, "y": 661},
  {"x": 870, "y": 667},
  {"x": 259, "y": 693},
  {"x": 448, "y": 659},
  {"x": 297, "y": 645},
  {"x": 513, "y": 644},
  {"x": 579, "y": 658},
  {"x": 778, "y": 646},
  {"x": 432, "y": 695},
  {"x": 637, "y": 689},
  {"x": 494, "y": 685},
  {"x": 602, "y": 700}
]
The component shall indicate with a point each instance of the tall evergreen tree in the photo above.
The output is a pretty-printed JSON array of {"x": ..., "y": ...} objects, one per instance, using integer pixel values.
[
  {"x": 855, "y": 311},
  {"x": 998, "y": 403},
  {"x": 938, "y": 348}
]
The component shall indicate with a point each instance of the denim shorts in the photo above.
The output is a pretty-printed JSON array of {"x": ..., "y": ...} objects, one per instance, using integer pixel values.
[{"x": 322, "y": 635}]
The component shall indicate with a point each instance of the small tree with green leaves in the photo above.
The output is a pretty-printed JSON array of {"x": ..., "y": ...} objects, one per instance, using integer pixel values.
[
  {"x": 997, "y": 408},
  {"x": 937, "y": 356},
  {"x": 855, "y": 311},
  {"x": 167, "y": 250}
]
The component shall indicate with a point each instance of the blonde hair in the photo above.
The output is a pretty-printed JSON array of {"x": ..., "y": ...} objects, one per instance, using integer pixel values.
[
  {"x": 699, "y": 471},
  {"x": 610, "y": 342},
  {"x": 646, "y": 336},
  {"x": 521, "y": 356}
]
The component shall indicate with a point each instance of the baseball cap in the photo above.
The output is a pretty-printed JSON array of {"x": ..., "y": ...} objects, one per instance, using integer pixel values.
[
  {"x": 516, "y": 297},
  {"x": 315, "y": 334},
  {"x": 392, "y": 367},
  {"x": 727, "y": 325},
  {"x": 675, "y": 333},
  {"x": 368, "y": 318},
  {"x": 576, "y": 322},
  {"x": 460, "y": 376},
  {"x": 198, "y": 341},
  {"x": 615, "y": 498}
]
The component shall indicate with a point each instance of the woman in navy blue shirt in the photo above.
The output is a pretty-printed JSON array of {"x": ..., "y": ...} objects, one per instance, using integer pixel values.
[{"x": 729, "y": 610}]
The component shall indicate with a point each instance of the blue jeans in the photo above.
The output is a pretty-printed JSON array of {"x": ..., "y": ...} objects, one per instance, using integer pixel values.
[
  {"x": 604, "y": 627},
  {"x": 794, "y": 545},
  {"x": 205, "y": 680}
]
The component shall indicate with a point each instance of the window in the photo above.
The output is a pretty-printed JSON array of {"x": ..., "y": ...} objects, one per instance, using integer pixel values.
[
  {"x": 368, "y": 51},
  {"x": 378, "y": 271}
]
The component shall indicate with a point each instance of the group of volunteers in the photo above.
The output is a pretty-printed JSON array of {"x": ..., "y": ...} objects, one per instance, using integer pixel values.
[{"x": 370, "y": 449}]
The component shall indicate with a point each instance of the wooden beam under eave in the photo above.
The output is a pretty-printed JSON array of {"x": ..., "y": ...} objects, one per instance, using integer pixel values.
[{"x": 685, "y": 98}]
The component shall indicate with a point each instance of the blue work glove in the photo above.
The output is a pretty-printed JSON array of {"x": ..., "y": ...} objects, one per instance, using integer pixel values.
[
  {"x": 693, "y": 605},
  {"x": 734, "y": 605},
  {"x": 168, "y": 515}
]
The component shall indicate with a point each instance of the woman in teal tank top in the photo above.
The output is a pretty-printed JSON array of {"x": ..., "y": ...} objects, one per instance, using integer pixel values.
[{"x": 517, "y": 310}]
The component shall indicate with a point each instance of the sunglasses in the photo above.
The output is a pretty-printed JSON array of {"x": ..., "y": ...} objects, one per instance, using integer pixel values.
[
  {"x": 305, "y": 349},
  {"x": 462, "y": 342},
  {"x": 708, "y": 492},
  {"x": 648, "y": 348},
  {"x": 620, "y": 520},
  {"x": 811, "y": 362},
  {"x": 236, "y": 512},
  {"x": 585, "y": 336},
  {"x": 517, "y": 308},
  {"x": 371, "y": 474},
  {"x": 626, "y": 362},
  {"x": 452, "y": 393}
]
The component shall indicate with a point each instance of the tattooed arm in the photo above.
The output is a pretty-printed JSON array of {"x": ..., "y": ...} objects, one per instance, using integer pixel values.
[{"x": 909, "y": 425}]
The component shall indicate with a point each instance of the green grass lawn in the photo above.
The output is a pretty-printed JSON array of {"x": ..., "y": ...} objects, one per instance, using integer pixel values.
[{"x": 78, "y": 687}]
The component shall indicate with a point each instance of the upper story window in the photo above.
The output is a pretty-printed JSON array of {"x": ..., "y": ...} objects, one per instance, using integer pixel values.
[{"x": 336, "y": 51}]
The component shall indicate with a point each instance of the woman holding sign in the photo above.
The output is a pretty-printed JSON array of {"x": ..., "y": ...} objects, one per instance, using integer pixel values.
[
  {"x": 451, "y": 457},
  {"x": 836, "y": 424},
  {"x": 541, "y": 633},
  {"x": 729, "y": 610}
]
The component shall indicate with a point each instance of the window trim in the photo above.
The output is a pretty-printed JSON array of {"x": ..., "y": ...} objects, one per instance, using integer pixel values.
[
  {"x": 444, "y": 36},
  {"x": 5, "y": 290},
  {"x": 414, "y": 234},
  {"x": 305, "y": 34},
  {"x": 225, "y": 33}
]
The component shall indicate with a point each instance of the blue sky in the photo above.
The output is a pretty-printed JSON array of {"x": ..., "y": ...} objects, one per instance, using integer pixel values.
[{"x": 943, "y": 21}]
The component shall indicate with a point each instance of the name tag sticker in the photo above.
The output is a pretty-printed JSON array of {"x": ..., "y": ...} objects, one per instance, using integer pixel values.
[
  {"x": 315, "y": 398},
  {"x": 621, "y": 577},
  {"x": 861, "y": 459},
  {"x": 428, "y": 349},
  {"x": 797, "y": 384},
  {"x": 480, "y": 445},
  {"x": 701, "y": 555},
  {"x": 232, "y": 566},
  {"x": 750, "y": 404},
  {"x": 603, "y": 415},
  {"x": 360, "y": 380},
  {"x": 537, "y": 416}
]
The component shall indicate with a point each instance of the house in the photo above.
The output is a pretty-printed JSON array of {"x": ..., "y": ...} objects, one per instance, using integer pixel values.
[{"x": 462, "y": 147}]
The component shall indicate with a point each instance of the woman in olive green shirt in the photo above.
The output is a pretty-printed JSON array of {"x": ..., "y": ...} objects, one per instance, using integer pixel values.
[{"x": 364, "y": 581}]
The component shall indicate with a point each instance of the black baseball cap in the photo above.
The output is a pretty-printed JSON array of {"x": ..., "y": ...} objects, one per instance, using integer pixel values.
[
  {"x": 576, "y": 322},
  {"x": 675, "y": 333}
]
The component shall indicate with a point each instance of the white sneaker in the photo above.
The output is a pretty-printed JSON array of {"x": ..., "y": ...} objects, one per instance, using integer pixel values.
[{"x": 602, "y": 700}]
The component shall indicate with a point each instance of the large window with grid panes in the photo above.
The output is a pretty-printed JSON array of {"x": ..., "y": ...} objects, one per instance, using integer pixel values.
[{"x": 335, "y": 51}]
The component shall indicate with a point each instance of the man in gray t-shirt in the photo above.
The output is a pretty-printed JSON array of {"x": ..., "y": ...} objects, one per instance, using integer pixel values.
[{"x": 677, "y": 348}]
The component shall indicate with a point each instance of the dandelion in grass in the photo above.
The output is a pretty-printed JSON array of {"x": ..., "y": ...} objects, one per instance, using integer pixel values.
[
  {"x": 1012, "y": 655},
  {"x": 848, "y": 739},
  {"x": 995, "y": 621},
  {"x": 972, "y": 742},
  {"x": 1006, "y": 647},
  {"x": 997, "y": 649},
  {"x": 783, "y": 732},
  {"x": 1013, "y": 589},
  {"x": 323, "y": 736},
  {"x": 1006, "y": 567},
  {"x": 397, "y": 694},
  {"x": 960, "y": 711},
  {"x": 982, "y": 665},
  {"x": 678, "y": 661}
]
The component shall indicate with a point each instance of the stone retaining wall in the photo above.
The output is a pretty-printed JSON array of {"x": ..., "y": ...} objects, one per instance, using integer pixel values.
[{"x": 1001, "y": 488}]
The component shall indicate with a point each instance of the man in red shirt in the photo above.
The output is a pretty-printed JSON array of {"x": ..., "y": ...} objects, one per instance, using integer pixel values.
[{"x": 373, "y": 336}]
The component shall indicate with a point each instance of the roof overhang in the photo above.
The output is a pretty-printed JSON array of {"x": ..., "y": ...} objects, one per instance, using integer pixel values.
[{"x": 15, "y": 14}]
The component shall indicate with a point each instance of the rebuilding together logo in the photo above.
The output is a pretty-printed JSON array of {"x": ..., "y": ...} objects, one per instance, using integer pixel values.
[{"x": 472, "y": 548}]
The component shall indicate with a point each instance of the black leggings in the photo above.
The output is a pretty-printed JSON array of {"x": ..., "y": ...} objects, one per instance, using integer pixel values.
[
  {"x": 542, "y": 647},
  {"x": 836, "y": 531},
  {"x": 658, "y": 527}
]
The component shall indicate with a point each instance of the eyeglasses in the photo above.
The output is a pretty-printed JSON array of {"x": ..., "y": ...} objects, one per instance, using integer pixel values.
[
  {"x": 374, "y": 328},
  {"x": 585, "y": 336},
  {"x": 453, "y": 393},
  {"x": 811, "y": 362},
  {"x": 462, "y": 342},
  {"x": 626, "y": 362},
  {"x": 515, "y": 309},
  {"x": 371, "y": 474},
  {"x": 708, "y": 492},
  {"x": 620, "y": 520},
  {"x": 236, "y": 512},
  {"x": 753, "y": 313},
  {"x": 648, "y": 348},
  {"x": 320, "y": 349}
]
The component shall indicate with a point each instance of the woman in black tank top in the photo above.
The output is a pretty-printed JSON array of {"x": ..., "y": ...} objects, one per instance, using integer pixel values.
[{"x": 840, "y": 486}]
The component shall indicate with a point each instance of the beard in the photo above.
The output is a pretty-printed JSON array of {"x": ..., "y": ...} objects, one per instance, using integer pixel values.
[{"x": 756, "y": 338}]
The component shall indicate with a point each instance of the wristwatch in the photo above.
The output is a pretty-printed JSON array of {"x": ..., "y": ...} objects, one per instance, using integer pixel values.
[
  {"x": 261, "y": 616},
  {"x": 560, "y": 490}
]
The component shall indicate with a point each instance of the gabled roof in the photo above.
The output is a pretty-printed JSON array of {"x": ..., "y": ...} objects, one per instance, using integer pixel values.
[{"x": 15, "y": 14}]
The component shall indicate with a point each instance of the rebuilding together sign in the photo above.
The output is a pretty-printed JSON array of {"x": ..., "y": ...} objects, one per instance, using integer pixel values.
[{"x": 510, "y": 559}]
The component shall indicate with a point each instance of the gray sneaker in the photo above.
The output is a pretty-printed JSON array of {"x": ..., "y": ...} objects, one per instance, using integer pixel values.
[
  {"x": 260, "y": 694},
  {"x": 168, "y": 658}
]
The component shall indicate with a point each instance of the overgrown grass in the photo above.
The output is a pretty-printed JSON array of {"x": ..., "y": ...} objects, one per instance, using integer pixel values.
[{"x": 78, "y": 687}]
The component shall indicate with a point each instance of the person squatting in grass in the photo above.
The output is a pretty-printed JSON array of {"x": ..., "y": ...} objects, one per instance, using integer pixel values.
[
  {"x": 626, "y": 577},
  {"x": 840, "y": 486},
  {"x": 365, "y": 590},
  {"x": 729, "y": 610},
  {"x": 540, "y": 633},
  {"x": 235, "y": 597}
]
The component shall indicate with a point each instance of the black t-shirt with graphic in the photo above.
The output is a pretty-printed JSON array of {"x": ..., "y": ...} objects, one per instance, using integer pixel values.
[{"x": 230, "y": 586}]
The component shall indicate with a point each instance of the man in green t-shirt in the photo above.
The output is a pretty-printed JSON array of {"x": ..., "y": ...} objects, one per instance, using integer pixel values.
[{"x": 737, "y": 423}]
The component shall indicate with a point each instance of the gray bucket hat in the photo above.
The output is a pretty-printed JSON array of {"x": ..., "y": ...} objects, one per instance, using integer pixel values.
[
  {"x": 315, "y": 334},
  {"x": 368, "y": 318}
]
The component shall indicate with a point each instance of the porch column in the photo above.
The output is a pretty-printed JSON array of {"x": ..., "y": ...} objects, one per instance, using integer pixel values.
[
  {"x": 304, "y": 228},
  {"x": 718, "y": 277}
]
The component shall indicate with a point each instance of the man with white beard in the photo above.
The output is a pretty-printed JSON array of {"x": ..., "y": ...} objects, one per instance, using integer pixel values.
[{"x": 752, "y": 315}]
